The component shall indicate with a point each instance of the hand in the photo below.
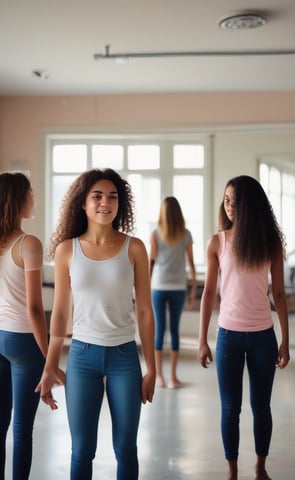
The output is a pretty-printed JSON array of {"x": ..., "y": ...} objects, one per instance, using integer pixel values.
[
  {"x": 148, "y": 387},
  {"x": 283, "y": 357},
  {"x": 48, "y": 381},
  {"x": 205, "y": 355}
]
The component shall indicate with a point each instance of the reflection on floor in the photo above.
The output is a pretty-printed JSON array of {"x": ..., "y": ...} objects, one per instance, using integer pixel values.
[{"x": 179, "y": 436}]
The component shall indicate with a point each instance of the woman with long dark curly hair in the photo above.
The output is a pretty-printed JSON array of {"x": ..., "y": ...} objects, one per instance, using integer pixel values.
[
  {"x": 246, "y": 252},
  {"x": 98, "y": 264}
]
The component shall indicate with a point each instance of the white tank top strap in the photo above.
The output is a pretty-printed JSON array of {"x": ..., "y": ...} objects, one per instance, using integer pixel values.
[{"x": 21, "y": 239}]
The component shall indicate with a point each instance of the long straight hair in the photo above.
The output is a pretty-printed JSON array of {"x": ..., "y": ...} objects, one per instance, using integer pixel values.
[
  {"x": 171, "y": 223},
  {"x": 256, "y": 235}
]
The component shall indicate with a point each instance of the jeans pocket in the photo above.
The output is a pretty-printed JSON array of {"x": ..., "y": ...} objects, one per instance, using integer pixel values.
[
  {"x": 128, "y": 348},
  {"x": 77, "y": 347}
]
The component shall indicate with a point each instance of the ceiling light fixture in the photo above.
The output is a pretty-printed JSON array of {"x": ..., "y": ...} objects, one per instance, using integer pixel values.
[
  {"x": 243, "y": 22},
  {"x": 41, "y": 74},
  {"x": 125, "y": 57}
]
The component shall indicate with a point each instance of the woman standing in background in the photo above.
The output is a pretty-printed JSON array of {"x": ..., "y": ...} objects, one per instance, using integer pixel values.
[
  {"x": 23, "y": 329},
  {"x": 171, "y": 245},
  {"x": 248, "y": 247}
]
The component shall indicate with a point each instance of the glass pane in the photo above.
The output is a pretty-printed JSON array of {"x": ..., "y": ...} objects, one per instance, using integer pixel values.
[
  {"x": 69, "y": 158},
  {"x": 274, "y": 180},
  {"x": 60, "y": 184},
  {"x": 288, "y": 184},
  {"x": 143, "y": 157},
  {"x": 147, "y": 196},
  {"x": 107, "y": 156},
  {"x": 189, "y": 191},
  {"x": 288, "y": 205},
  {"x": 188, "y": 156},
  {"x": 263, "y": 176}
]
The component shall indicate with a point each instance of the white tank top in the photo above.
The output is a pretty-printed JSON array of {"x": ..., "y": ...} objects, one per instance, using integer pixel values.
[
  {"x": 13, "y": 310},
  {"x": 102, "y": 291}
]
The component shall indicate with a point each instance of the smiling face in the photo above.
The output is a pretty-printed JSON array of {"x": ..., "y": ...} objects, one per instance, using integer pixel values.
[
  {"x": 229, "y": 203},
  {"x": 102, "y": 202}
]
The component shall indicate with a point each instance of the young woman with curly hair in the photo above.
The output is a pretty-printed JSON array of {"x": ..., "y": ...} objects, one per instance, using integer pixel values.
[{"x": 99, "y": 265}]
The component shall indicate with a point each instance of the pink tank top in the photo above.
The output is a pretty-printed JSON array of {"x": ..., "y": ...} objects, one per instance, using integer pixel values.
[{"x": 245, "y": 304}]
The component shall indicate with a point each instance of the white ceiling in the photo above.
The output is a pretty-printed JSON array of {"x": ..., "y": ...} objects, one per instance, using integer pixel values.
[{"x": 61, "y": 37}]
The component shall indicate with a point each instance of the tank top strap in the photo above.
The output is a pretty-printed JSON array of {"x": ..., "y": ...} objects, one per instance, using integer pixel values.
[
  {"x": 21, "y": 239},
  {"x": 75, "y": 247},
  {"x": 221, "y": 236},
  {"x": 125, "y": 246}
]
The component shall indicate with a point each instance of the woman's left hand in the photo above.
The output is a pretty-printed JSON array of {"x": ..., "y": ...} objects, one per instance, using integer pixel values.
[
  {"x": 283, "y": 356},
  {"x": 148, "y": 387}
]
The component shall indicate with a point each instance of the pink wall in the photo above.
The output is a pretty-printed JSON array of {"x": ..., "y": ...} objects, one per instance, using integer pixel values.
[{"x": 25, "y": 120}]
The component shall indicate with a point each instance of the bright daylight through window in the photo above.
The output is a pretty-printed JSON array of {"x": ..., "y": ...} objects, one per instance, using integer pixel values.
[{"x": 155, "y": 168}]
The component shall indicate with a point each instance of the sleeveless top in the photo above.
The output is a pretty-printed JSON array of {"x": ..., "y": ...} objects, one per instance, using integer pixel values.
[
  {"x": 102, "y": 293},
  {"x": 245, "y": 304},
  {"x": 13, "y": 309},
  {"x": 169, "y": 271}
]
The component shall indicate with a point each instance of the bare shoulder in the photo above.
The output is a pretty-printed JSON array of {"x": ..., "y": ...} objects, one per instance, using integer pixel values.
[
  {"x": 137, "y": 245},
  {"x": 214, "y": 243},
  {"x": 64, "y": 249},
  {"x": 32, "y": 245},
  {"x": 137, "y": 250}
]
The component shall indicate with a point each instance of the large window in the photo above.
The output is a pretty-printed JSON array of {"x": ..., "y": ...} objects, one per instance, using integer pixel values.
[
  {"x": 278, "y": 182},
  {"x": 154, "y": 166}
]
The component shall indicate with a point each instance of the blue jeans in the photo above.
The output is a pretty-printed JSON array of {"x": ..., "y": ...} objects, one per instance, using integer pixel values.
[
  {"x": 21, "y": 366},
  {"x": 175, "y": 300},
  {"x": 260, "y": 352},
  {"x": 92, "y": 369}
]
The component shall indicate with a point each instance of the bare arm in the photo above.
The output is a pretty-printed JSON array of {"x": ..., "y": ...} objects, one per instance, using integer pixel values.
[
  {"x": 52, "y": 375},
  {"x": 32, "y": 256},
  {"x": 193, "y": 278},
  {"x": 279, "y": 296},
  {"x": 144, "y": 314},
  {"x": 208, "y": 300},
  {"x": 153, "y": 252}
]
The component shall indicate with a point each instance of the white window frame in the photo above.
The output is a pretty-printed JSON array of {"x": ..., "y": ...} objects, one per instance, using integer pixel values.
[
  {"x": 165, "y": 172},
  {"x": 284, "y": 164}
]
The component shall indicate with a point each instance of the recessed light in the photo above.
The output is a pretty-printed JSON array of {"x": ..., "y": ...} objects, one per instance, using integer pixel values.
[
  {"x": 243, "y": 22},
  {"x": 41, "y": 74}
]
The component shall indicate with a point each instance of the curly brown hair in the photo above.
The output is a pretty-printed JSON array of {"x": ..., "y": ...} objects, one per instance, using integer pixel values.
[
  {"x": 72, "y": 219},
  {"x": 14, "y": 187},
  {"x": 257, "y": 236}
]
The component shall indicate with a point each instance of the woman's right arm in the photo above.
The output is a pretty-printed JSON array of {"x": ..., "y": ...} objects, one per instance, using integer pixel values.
[
  {"x": 153, "y": 252},
  {"x": 52, "y": 374},
  {"x": 208, "y": 300}
]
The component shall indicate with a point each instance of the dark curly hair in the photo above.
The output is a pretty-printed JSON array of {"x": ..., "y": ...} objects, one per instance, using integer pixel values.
[
  {"x": 14, "y": 187},
  {"x": 73, "y": 221},
  {"x": 257, "y": 237}
]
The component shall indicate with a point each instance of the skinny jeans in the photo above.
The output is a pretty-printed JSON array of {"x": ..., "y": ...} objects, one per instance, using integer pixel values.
[
  {"x": 21, "y": 367},
  {"x": 92, "y": 370},
  {"x": 259, "y": 351},
  {"x": 173, "y": 300}
]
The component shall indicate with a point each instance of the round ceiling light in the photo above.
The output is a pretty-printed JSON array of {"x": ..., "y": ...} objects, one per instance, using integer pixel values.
[{"x": 243, "y": 22}]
